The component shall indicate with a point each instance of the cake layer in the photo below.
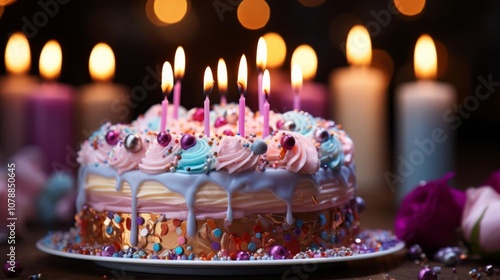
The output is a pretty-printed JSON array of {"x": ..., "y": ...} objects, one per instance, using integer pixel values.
[
  {"x": 158, "y": 234},
  {"x": 215, "y": 195}
]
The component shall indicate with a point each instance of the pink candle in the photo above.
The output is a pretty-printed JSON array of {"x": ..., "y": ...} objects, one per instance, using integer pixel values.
[
  {"x": 167, "y": 80},
  {"x": 266, "y": 87},
  {"x": 296, "y": 85},
  {"x": 261, "y": 65},
  {"x": 242, "y": 87},
  {"x": 208, "y": 84},
  {"x": 179, "y": 67},
  {"x": 164, "y": 111}
]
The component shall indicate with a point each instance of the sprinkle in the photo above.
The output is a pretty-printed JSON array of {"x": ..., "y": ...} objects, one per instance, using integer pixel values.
[
  {"x": 181, "y": 240},
  {"x": 156, "y": 247},
  {"x": 179, "y": 250},
  {"x": 314, "y": 199},
  {"x": 217, "y": 232}
]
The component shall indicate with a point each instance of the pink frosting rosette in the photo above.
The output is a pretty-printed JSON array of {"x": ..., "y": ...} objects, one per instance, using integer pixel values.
[
  {"x": 481, "y": 221},
  {"x": 160, "y": 159},
  {"x": 123, "y": 160},
  {"x": 235, "y": 155},
  {"x": 86, "y": 154},
  {"x": 430, "y": 215},
  {"x": 302, "y": 158}
]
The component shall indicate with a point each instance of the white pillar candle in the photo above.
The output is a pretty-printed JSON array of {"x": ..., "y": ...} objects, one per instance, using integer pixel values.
[
  {"x": 425, "y": 141},
  {"x": 360, "y": 105}
]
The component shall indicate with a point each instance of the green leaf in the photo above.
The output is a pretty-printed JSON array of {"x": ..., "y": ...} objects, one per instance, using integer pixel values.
[{"x": 474, "y": 236}]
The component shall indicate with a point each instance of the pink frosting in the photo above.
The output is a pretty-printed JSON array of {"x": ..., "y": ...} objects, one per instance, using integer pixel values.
[
  {"x": 159, "y": 159},
  {"x": 123, "y": 160},
  {"x": 86, "y": 154},
  {"x": 303, "y": 158},
  {"x": 233, "y": 156},
  {"x": 347, "y": 146}
]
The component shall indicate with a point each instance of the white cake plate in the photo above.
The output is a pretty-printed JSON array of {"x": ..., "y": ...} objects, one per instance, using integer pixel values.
[{"x": 192, "y": 267}]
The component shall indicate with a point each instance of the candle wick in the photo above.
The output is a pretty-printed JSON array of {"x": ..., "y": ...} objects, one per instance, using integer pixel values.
[
  {"x": 266, "y": 94},
  {"x": 241, "y": 88}
]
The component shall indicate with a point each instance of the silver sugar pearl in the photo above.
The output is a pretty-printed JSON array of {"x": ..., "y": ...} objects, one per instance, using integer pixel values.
[
  {"x": 321, "y": 135},
  {"x": 132, "y": 143},
  {"x": 259, "y": 147},
  {"x": 289, "y": 125}
]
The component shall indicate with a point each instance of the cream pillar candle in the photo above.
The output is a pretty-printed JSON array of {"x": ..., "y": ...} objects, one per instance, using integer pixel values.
[
  {"x": 101, "y": 101},
  {"x": 359, "y": 104}
]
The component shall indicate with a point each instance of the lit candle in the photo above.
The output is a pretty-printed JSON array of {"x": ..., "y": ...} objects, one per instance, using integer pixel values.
[
  {"x": 222, "y": 81},
  {"x": 242, "y": 87},
  {"x": 208, "y": 85},
  {"x": 261, "y": 65},
  {"x": 14, "y": 89},
  {"x": 179, "y": 68},
  {"x": 266, "y": 89},
  {"x": 102, "y": 100},
  {"x": 424, "y": 138},
  {"x": 50, "y": 112},
  {"x": 167, "y": 81},
  {"x": 360, "y": 102},
  {"x": 296, "y": 85}
]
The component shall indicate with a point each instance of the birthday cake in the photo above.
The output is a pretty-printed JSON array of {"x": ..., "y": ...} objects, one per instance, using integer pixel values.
[{"x": 180, "y": 194}]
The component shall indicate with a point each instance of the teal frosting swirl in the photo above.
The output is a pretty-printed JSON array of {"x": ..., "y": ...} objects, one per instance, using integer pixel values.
[
  {"x": 197, "y": 159},
  {"x": 330, "y": 153},
  {"x": 305, "y": 123}
]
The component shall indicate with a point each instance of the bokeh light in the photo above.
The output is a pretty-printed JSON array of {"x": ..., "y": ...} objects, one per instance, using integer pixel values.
[
  {"x": 6, "y": 2},
  {"x": 170, "y": 11},
  {"x": 305, "y": 56},
  {"x": 276, "y": 50},
  {"x": 311, "y": 3},
  {"x": 50, "y": 60},
  {"x": 425, "y": 58},
  {"x": 17, "y": 54},
  {"x": 150, "y": 14},
  {"x": 409, "y": 7},
  {"x": 253, "y": 14},
  {"x": 102, "y": 63}
]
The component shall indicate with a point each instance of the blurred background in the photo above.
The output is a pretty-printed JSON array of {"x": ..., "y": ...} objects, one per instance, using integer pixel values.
[{"x": 144, "y": 34}]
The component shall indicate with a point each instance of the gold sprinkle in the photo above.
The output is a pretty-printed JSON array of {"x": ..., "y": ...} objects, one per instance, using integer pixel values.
[{"x": 314, "y": 199}]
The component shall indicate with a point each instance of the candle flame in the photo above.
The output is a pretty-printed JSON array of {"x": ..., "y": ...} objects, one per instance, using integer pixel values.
[
  {"x": 102, "y": 63},
  {"x": 359, "y": 46},
  {"x": 208, "y": 81},
  {"x": 296, "y": 77},
  {"x": 425, "y": 59},
  {"x": 266, "y": 83},
  {"x": 222, "y": 75},
  {"x": 167, "y": 78},
  {"x": 261, "y": 54},
  {"x": 179, "y": 63},
  {"x": 17, "y": 54},
  {"x": 305, "y": 56},
  {"x": 51, "y": 60},
  {"x": 242, "y": 75}
]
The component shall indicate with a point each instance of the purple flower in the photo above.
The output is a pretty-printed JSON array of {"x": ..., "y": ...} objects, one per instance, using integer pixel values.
[{"x": 430, "y": 215}]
